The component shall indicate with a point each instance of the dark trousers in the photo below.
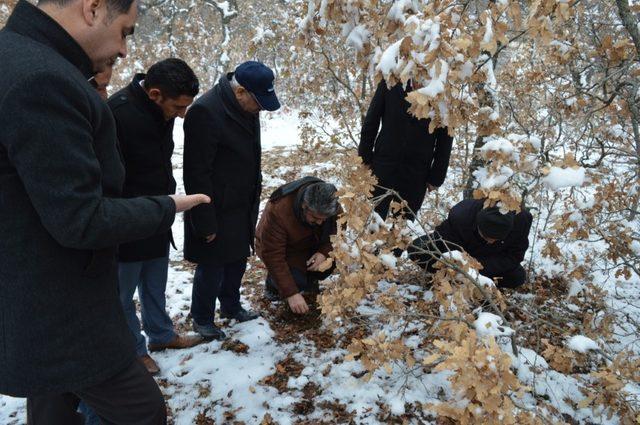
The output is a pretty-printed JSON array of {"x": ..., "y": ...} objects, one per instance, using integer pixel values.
[
  {"x": 131, "y": 397},
  {"x": 212, "y": 282},
  {"x": 414, "y": 202},
  {"x": 383, "y": 207},
  {"x": 305, "y": 281},
  {"x": 511, "y": 278}
]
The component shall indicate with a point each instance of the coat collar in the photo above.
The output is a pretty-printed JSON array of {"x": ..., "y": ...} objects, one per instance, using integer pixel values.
[
  {"x": 29, "y": 21},
  {"x": 233, "y": 108},
  {"x": 141, "y": 98}
]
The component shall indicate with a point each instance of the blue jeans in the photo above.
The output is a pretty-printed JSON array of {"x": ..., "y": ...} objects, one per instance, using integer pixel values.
[
  {"x": 90, "y": 417},
  {"x": 150, "y": 277},
  {"x": 212, "y": 282}
]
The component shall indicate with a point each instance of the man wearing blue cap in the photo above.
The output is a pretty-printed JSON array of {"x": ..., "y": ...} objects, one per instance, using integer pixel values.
[{"x": 222, "y": 159}]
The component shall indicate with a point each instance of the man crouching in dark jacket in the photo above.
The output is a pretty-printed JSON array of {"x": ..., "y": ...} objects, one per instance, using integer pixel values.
[
  {"x": 293, "y": 238},
  {"x": 498, "y": 241}
]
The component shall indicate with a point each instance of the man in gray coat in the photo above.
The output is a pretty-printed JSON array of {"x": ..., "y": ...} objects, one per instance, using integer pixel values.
[{"x": 63, "y": 335}]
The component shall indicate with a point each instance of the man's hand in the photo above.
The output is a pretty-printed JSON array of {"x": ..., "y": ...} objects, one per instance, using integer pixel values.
[
  {"x": 314, "y": 262},
  {"x": 297, "y": 304},
  {"x": 431, "y": 188},
  {"x": 186, "y": 202},
  {"x": 210, "y": 238}
]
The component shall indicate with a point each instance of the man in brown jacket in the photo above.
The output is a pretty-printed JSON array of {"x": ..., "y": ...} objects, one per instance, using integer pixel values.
[{"x": 293, "y": 238}]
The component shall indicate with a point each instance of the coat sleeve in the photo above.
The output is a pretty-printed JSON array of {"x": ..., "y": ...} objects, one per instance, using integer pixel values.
[
  {"x": 200, "y": 148},
  {"x": 441, "y": 155},
  {"x": 273, "y": 241},
  {"x": 512, "y": 256},
  {"x": 450, "y": 229},
  {"x": 50, "y": 142},
  {"x": 371, "y": 124}
]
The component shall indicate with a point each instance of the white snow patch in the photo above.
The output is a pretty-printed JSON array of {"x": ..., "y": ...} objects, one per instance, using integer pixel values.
[
  {"x": 389, "y": 260},
  {"x": 297, "y": 383},
  {"x": 488, "y": 324},
  {"x": 582, "y": 344},
  {"x": 226, "y": 9},
  {"x": 358, "y": 37},
  {"x": 436, "y": 84},
  {"x": 498, "y": 144},
  {"x": 261, "y": 35},
  {"x": 466, "y": 70},
  {"x": 564, "y": 177},
  {"x": 389, "y": 61},
  {"x": 279, "y": 129},
  {"x": 397, "y": 406}
]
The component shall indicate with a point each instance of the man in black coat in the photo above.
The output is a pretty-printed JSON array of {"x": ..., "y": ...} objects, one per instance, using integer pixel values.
[
  {"x": 145, "y": 111},
  {"x": 63, "y": 335},
  {"x": 403, "y": 155},
  {"x": 498, "y": 241},
  {"x": 222, "y": 159}
]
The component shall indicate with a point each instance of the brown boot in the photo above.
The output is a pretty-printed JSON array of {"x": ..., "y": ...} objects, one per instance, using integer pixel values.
[
  {"x": 178, "y": 343},
  {"x": 150, "y": 364}
]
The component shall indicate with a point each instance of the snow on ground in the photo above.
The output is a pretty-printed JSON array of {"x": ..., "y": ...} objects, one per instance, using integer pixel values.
[
  {"x": 259, "y": 372},
  {"x": 279, "y": 129},
  {"x": 582, "y": 344}
]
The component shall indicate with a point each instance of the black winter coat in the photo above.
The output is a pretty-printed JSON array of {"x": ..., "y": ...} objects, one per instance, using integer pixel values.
[
  {"x": 146, "y": 145},
  {"x": 403, "y": 155},
  {"x": 61, "y": 323},
  {"x": 221, "y": 159},
  {"x": 461, "y": 229}
]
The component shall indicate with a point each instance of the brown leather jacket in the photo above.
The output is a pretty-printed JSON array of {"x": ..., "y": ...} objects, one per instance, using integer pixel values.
[{"x": 283, "y": 241}]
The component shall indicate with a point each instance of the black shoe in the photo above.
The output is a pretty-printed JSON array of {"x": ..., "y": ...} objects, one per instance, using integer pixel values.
[
  {"x": 209, "y": 332},
  {"x": 241, "y": 315},
  {"x": 271, "y": 294}
]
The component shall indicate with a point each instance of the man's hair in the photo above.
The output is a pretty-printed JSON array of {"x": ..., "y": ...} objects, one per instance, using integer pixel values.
[
  {"x": 321, "y": 198},
  {"x": 115, "y": 7},
  {"x": 173, "y": 77},
  {"x": 234, "y": 83}
]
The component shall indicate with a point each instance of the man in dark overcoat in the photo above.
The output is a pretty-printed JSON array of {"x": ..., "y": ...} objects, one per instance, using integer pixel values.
[
  {"x": 63, "y": 335},
  {"x": 403, "y": 155},
  {"x": 145, "y": 111},
  {"x": 498, "y": 241},
  {"x": 222, "y": 159}
]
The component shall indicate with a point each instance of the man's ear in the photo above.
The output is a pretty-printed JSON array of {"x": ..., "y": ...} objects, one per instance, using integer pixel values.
[
  {"x": 155, "y": 94},
  {"x": 91, "y": 10}
]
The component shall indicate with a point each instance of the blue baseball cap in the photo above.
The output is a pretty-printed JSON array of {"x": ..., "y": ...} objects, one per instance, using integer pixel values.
[{"x": 258, "y": 78}]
